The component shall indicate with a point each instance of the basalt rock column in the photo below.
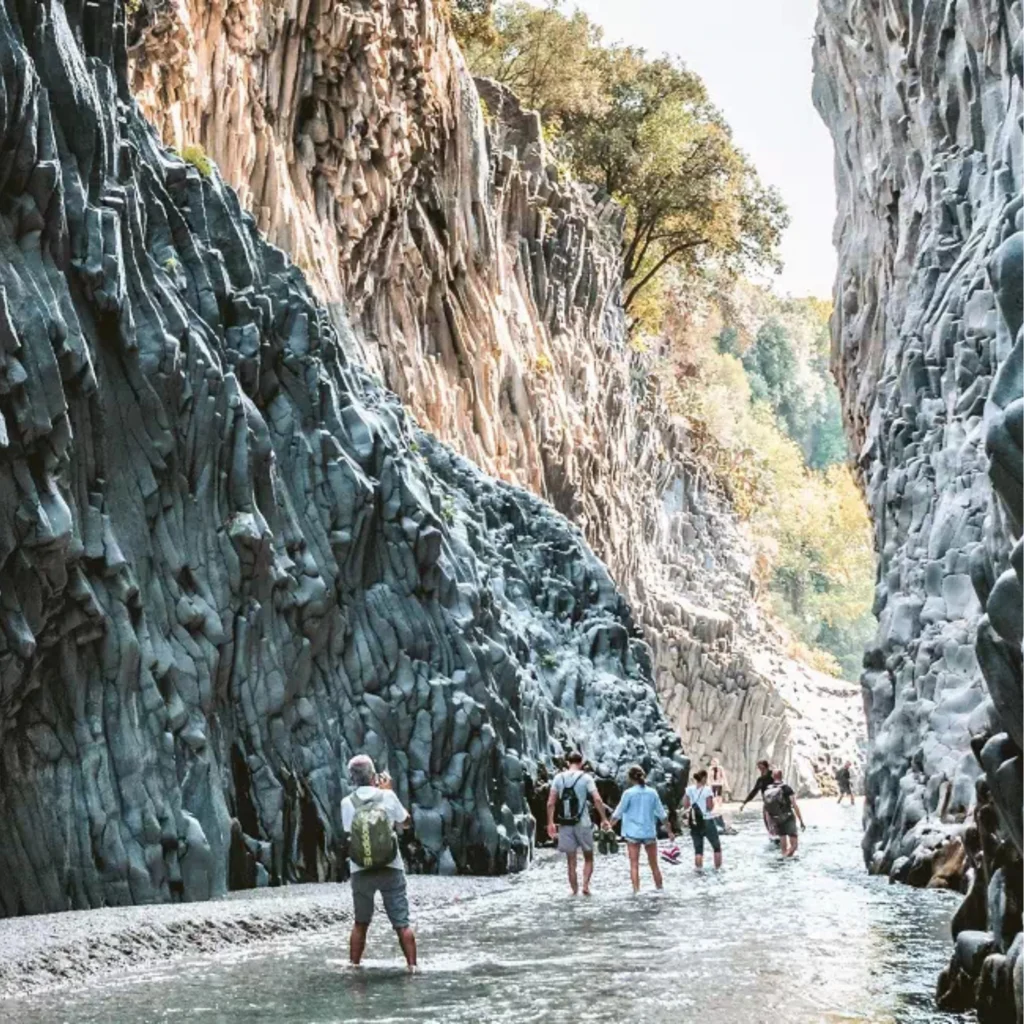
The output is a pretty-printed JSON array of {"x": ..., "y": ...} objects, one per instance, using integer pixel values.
[
  {"x": 227, "y": 558},
  {"x": 924, "y": 103},
  {"x": 485, "y": 288}
]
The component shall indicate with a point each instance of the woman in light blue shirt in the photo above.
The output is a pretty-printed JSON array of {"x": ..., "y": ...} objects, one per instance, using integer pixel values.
[{"x": 640, "y": 810}]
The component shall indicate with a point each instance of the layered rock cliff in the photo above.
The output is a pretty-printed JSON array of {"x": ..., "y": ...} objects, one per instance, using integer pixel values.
[
  {"x": 228, "y": 558},
  {"x": 924, "y": 102},
  {"x": 484, "y": 288}
]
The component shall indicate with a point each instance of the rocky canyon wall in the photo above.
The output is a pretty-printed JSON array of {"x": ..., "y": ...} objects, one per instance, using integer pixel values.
[
  {"x": 228, "y": 559},
  {"x": 924, "y": 103},
  {"x": 484, "y": 288}
]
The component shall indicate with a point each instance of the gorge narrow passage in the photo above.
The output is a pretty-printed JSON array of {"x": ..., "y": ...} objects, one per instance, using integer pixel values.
[{"x": 810, "y": 941}]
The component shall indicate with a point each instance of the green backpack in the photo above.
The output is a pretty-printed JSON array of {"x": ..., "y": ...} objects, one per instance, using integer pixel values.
[{"x": 372, "y": 842}]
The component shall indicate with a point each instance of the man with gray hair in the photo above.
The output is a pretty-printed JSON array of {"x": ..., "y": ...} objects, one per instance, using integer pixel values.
[{"x": 370, "y": 814}]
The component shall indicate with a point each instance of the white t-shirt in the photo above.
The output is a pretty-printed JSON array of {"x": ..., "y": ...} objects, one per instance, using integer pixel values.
[
  {"x": 700, "y": 796},
  {"x": 391, "y": 805},
  {"x": 583, "y": 783}
]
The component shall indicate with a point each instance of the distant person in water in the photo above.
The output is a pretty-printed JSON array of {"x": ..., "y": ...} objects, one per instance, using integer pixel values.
[
  {"x": 369, "y": 816},
  {"x": 781, "y": 806},
  {"x": 700, "y": 802},
  {"x": 844, "y": 777},
  {"x": 572, "y": 792},
  {"x": 640, "y": 810},
  {"x": 718, "y": 781},
  {"x": 764, "y": 780}
]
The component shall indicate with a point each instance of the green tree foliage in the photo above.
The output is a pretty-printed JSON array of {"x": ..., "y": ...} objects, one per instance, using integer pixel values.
[
  {"x": 545, "y": 57},
  {"x": 646, "y": 132},
  {"x": 750, "y": 379},
  {"x": 787, "y": 368}
]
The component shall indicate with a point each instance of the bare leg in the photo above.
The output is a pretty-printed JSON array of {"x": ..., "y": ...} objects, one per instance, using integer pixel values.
[
  {"x": 588, "y": 870},
  {"x": 357, "y": 942},
  {"x": 407, "y": 940},
  {"x": 698, "y": 861},
  {"x": 794, "y": 842},
  {"x": 652, "y": 859},
  {"x": 718, "y": 859},
  {"x": 634, "y": 865},
  {"x": 570, "y": 860}
]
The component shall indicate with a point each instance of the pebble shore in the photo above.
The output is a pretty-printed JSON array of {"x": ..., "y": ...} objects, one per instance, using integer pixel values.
[{"x": 48, "y": 950}]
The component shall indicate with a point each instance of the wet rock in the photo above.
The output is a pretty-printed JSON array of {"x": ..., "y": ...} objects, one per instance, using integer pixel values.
[{"x": 972, "y": 948}]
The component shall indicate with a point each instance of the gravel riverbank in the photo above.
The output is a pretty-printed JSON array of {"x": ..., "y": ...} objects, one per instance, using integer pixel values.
[{"x": 48, "y": 950}]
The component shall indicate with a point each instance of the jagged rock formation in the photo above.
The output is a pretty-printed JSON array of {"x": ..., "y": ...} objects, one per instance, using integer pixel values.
[
  {"x": 228, "y": 559},
  {"x": 924, "y": 102},
  {"x": 484, "y": 286}
]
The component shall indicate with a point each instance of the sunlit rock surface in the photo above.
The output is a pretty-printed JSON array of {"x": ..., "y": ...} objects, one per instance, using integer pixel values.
[
  {"x": 227, "y": 557},
  {"x": 924, "y": 103},
  {"x": 484, "y": 286}
]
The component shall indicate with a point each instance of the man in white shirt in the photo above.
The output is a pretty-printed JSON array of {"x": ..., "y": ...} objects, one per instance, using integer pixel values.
[
  {"x": 569, "y": 801},
  {"x": 373, "y": 797}
]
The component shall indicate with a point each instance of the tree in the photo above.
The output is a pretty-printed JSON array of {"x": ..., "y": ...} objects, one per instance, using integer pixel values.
[
  {"x": 662, "y": 149},
  {"x": 646, "y": 132},
  {"x": 544, "y": 56}
]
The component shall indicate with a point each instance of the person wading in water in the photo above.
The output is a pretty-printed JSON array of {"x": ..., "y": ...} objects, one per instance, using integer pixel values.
[
  {"x": 569, "y": 800},
  {"x": 700, "y": 802},
  {"x": 640, "y": 810},
  {"x": 844, "y": 778},
  {"x": 764, "y": 780},
  {"x": 781, "y": 806},
  {"x": 369, "y": 816},
  {"x": 717, "y": 780}
]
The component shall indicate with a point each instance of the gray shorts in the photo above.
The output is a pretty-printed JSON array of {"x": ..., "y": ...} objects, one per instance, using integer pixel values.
[
  {"x": 576, "y": 837},
  {"x": 787, "y": 827},
  {"x": 390, "y": 883}
]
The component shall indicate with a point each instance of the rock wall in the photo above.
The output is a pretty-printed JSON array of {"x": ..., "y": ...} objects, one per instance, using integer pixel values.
[
  {"x": 484, "y": 286},
  {"x": 924, "y": 102},
  {"x": 228, "y": 559}
]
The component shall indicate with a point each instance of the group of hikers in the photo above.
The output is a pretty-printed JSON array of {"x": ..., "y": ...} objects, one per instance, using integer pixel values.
[{"x": 372, "y": 815}]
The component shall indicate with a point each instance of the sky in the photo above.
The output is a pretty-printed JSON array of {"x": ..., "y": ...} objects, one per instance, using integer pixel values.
[{"x": 755, "y": 59}]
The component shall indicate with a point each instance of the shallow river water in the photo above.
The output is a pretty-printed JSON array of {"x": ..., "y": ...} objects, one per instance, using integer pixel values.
[{"x": 811, "y": 941}]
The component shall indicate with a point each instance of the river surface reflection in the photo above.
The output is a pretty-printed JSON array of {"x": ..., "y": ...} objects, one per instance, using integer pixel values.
[{"x": 812, "y": 941}]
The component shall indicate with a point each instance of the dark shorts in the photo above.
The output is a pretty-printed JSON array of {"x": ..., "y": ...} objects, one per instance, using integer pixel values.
[
  {"x": 787, "y": 827},
  {"x": 845, "y": 789},
  {"x": 717, "y": 790},
  {"x": 708, "y": 831},
  {"x": 390, "y": 883}
]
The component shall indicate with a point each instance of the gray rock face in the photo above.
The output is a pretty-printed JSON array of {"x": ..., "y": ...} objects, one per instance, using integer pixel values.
[
  {"x": 227, "y": 558},
  {"x": 924, "y": 103},
  {"x": 485, "y": 288}
]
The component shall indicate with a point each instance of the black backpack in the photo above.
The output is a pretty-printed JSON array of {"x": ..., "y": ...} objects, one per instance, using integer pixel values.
[
  {"x": 569, "y": 807},
  {"x": 696, "y": 813}
]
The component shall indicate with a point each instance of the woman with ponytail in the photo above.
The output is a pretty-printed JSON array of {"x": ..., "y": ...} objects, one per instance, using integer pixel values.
[{"x": 640, "y": 810}]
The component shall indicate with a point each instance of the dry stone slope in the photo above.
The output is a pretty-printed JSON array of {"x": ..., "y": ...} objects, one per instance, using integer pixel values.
[
  {"x": 227, "y": 557},
  {"x": 924, "y": 103}
]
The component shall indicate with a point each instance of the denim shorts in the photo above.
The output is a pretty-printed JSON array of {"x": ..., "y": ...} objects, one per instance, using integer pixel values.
[{"x": 390, "y": 883}]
